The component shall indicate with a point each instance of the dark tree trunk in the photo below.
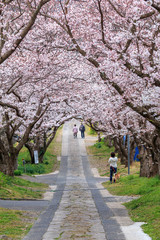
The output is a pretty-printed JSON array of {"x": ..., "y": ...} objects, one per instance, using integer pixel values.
[
  {"x": 41, "y": 153},
  {"x": 132, "y": 150},
  {"x": 123, "y": 153},
  {"x": 108, "y": 141},
  {"x": 99, "y": 137},
  {"x": 115, "y": 144},
  {"x": 31, "y": 151},
  {"x": 8, "y": 163},
  {"x": 148, "y": 167},
  {"x": 8, "y": 155},
  {"x": 149, "y": 155},
  {"x": 37, "y": 145},
  {"x": 40, "y": 143}
]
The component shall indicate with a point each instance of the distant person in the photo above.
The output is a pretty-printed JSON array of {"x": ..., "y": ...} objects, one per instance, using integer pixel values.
[
  {"x": 82, "y": 130},
  {"x": 23, "y": 161},
  {"x": 75, "y": 131},
  {"x": 113, "y": 165}
]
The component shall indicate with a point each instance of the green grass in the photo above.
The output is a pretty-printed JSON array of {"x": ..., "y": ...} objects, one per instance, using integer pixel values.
[
  {"x": 147, "y": 207},
  {"x": 90, "y": 131},
  {"x": 15, "y": 224},
  {"x": 50, "y": 162},
  {"x": 17, "y": 188},
  {"x": 101, "y": 148},
  {"x": 24, "y": 153}
]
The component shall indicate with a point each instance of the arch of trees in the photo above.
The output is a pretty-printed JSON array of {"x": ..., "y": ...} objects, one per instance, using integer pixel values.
[{"x": 98, "y": 59}]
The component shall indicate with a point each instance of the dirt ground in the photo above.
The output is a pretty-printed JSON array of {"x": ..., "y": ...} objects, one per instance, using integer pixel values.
[{"x": 98, "y": 162}]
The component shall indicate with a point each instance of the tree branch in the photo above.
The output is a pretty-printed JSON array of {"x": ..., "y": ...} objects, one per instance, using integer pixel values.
[
  {"x": 12, "y": 107},
  {"x": 24, "y": 32}
]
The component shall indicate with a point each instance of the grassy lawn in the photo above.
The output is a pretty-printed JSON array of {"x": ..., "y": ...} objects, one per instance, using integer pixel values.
[
  {"x": 144, "y": 209},
  {"x": 15, "y": 224},
  {"x": 17, "y": 188}
]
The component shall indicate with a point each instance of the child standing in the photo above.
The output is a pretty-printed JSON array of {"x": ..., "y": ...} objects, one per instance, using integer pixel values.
[{"x": 75, "y": 131}]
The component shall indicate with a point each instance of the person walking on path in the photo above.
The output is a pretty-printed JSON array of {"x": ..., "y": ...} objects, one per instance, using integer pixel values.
[
  {"x": 82, "y": 130},
  {"x": 113, "y": 165},
  {"x": 75, "y": 131}
]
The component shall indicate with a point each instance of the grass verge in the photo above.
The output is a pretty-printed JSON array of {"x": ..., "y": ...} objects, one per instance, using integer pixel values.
[
  {"x": 147, "y": 207},
  {"x": 17, "y": 188},
  {"x": 15, "y": 224}
]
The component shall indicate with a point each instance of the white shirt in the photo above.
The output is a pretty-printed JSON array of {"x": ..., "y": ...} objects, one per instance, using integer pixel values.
[{"x": 113, "y": 162}]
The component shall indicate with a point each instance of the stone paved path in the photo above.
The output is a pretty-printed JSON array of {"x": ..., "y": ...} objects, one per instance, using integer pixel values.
[
  {"x": 82, "y": 213},
  {"x": 81, "y": 209},
  {"x": 77, "y": 216}
]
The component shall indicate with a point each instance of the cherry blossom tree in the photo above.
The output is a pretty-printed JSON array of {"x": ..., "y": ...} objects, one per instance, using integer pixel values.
[
  {"x": 105, "y": 115},
  {"x": 17, "y": 19},
  {"x": 13, "y": 123},
  {"x": 122, "y": 43},
  {"x": 32, "y": 101},
  {"x": 44, "y": 132},
  {"x": 97, "y": 59}
]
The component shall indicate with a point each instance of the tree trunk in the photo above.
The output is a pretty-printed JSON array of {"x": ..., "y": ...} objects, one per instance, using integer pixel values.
[
  {"x": 99, "y": 137},
  {"x": 123, "y": 153},
  {"x": 150, "y": 156},
  {"x": 115, "y": 144},
  {"x": 41, "y": 143},
  {"x": 8, "y": 156},
  {"x": 147, "y": 167},
  {"x": 8, "y": 150},
  {"x": 41, "y": 153},
  {"x": 31, "y": 151},
  {"x": 36, "y": 145},
  {"x": 149, "y": 163},
  {"x": 110, "y": 142},
  {"x": 8, "y": 163}
]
